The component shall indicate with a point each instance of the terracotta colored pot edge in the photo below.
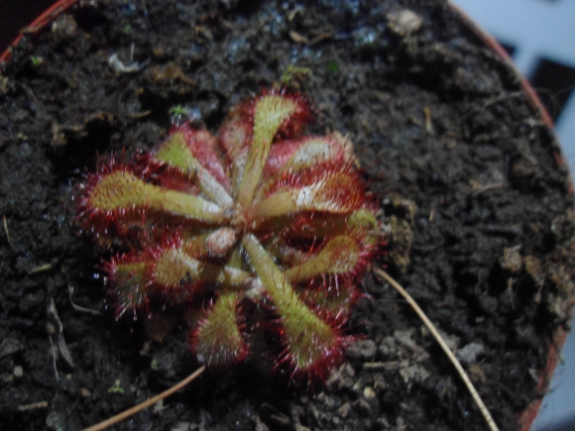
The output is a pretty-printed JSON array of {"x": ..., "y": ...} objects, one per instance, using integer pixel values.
[
  {"x": 40, "y": 22},
  {"x": 527, "y": 417}
]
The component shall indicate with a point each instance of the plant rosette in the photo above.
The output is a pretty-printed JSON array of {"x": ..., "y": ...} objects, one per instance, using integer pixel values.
[{"x": 261, "y": 214}]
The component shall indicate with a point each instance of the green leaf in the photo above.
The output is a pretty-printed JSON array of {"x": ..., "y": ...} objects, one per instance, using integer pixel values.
[
  {"x": 121, "y": 192},
  {"x": 334, "y": 192},
  {"x": 177, "y": 153},
  {"x": 270, "y": 112},
  {"x": 218, "y": 339},
  {"x": 339, "y": 256},
  {"x": 307, "y": 338}
]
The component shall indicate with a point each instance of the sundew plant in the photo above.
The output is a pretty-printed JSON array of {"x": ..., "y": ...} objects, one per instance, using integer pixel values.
[{"x": 260, "y": 228}]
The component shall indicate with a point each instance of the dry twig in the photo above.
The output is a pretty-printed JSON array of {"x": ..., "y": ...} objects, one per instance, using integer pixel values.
[
  {"x": 71, "y": 295},
  {"x": 484, "y": 411},
  {"x": 132, "y": 411},
  {"x": 7, "y": 233},
  {"x": 33, "y": 406}
]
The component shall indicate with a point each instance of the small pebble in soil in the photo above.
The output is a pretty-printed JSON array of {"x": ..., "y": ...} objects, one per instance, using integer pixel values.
[
  {"x": 341, "y": 378},
  {"x": 18, "y": 371},
  {"x": 512, "y": 260},
  {"x": 363, "y": 350},
  {"x": 369, "y": 393},
  {"x": 363, "y": 407},
  {"x": 344, "y": 410},
  {"x": 468, "y": 354},
  {"x": 181, "y": 426}
]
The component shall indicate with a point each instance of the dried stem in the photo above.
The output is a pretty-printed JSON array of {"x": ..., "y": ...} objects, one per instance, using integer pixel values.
[
  {"x": 484, "y": 411},
  {"x": 132, "y": 411}
]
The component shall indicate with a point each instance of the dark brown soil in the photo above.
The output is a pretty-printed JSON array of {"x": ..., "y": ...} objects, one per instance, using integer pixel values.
[{"x": 448, "y": 144}]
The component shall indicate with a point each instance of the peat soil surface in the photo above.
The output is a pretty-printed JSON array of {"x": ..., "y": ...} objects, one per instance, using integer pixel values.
[{"x": 466, "y": 174}]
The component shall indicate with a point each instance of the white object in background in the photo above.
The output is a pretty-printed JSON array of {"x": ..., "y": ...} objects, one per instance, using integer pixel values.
[{"x": 541, "y": 29}]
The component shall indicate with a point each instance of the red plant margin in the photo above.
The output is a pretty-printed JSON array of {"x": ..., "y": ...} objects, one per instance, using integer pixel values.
[{"x": 527, "y": 417}]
